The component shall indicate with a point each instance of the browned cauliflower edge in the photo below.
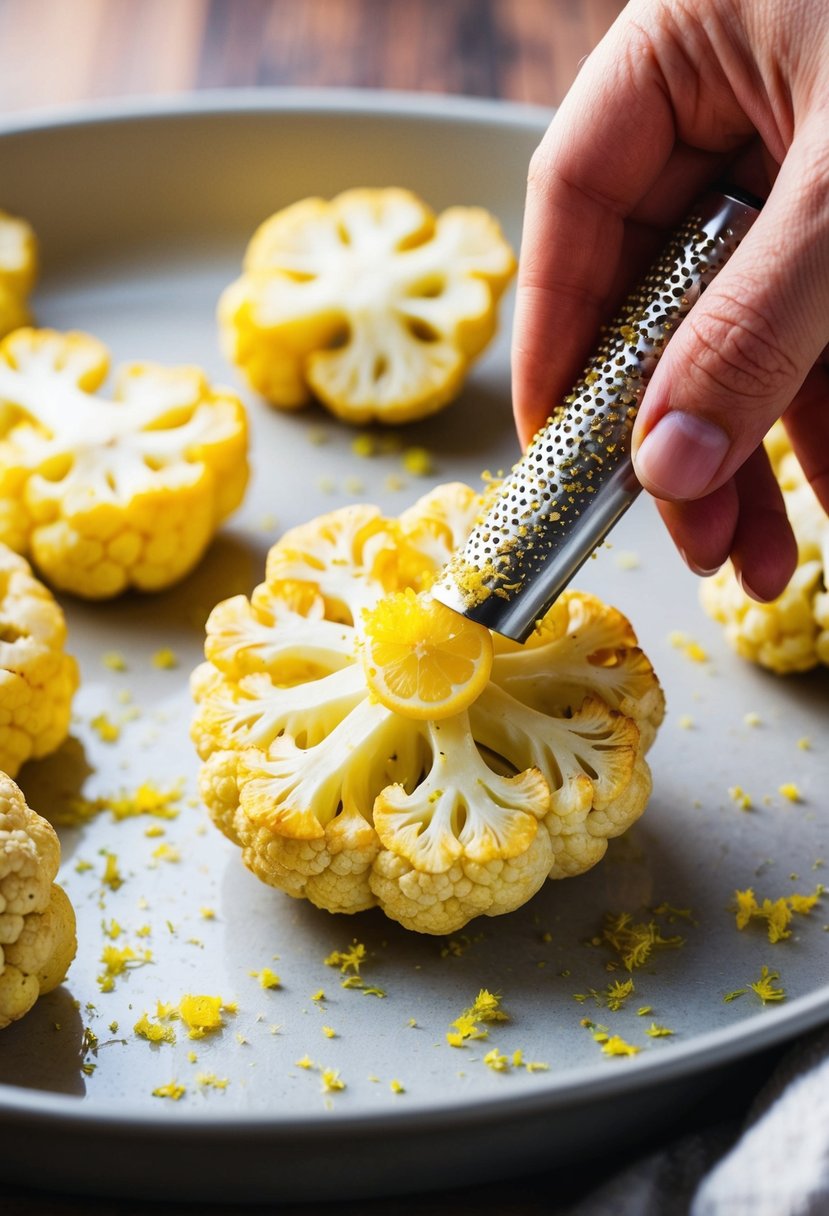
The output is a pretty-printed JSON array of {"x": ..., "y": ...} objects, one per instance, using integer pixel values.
[
  {"x": 37, "y": 678},
  {"x": 369, "y": 302},
  {"x": 37, "y": 921},
  {"x": 334, "y": 798},
  {"x": 791, "y": 633},
  {"x": 108, "y": 493},
  {"x": 18, "y": 268}
]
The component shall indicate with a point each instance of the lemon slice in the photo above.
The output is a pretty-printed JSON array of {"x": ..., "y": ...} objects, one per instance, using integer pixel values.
[{"x": 423, "y": 660}]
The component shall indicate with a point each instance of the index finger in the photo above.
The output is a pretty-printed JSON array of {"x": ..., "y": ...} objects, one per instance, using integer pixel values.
[{"x": 604, "y": 151}]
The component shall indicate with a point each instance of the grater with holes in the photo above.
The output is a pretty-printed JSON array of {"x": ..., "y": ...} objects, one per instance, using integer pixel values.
[{"x": 541, "y": 523}]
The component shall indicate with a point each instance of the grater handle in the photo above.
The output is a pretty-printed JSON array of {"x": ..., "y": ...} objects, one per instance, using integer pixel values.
[{"x": 541, "y": 523}]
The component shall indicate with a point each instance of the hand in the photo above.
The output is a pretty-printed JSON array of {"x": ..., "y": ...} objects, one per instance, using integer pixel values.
[{"x": 676, "y": 96}]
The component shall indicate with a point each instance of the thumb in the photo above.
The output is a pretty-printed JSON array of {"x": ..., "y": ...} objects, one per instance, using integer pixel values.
[{"x": 740, "y": 356}]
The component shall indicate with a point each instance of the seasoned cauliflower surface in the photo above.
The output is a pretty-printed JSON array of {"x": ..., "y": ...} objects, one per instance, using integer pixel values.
[
  {"x": 18, "y": 267},
  {"x": 37, "y": 922},
  {"x": 37, "y": 679},
  {"x": 335, "y": 798},
  {"x": 792, "y": 632},
  {"x": 369, "y": 302},
  {"x": 110, "y": 494}
]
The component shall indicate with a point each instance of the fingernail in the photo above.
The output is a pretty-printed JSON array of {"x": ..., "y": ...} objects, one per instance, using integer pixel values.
[
  {"x": 741, "y": 579},
  {"x": 696, "y": 569},
  {"x": 681, "y": 455}
]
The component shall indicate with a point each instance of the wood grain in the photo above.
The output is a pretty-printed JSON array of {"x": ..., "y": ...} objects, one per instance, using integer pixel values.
[{"x": 61, "y": 51}]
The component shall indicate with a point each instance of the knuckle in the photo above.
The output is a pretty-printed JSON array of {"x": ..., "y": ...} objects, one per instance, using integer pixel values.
[{"x": 733, "y": 349}]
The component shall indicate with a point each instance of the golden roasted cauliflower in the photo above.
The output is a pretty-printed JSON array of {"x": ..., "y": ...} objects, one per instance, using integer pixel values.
[
  {"x": 37, "y": 921},
  {"x": 18, "y": 267},
  {"x": 792, "y": 632},
  {"x": 337, "y": 798},
  {"x": 37, "y": 678},
  {"x": 109, "y": 494},
  {"x": 369, "y": 302}
]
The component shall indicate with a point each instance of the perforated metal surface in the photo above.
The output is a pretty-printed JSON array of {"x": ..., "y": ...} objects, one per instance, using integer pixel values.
[{"x": 576, "y": 479}]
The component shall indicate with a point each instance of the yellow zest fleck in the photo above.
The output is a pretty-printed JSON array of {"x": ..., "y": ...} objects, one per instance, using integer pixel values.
[
  {"x": 497, "y": 1061},
  {"x": 166, "y": 852},
  {"x": 331, "y": 1080},
  {"x": 412, "y": 1022},
  {"x": 106, "y": 730},
  {"x": 486, "y": 1008},
  {"x": 172, "y": 1090},
  {"x": 804, "y": 744},
  {"x": 82, "y": 866},
  {"x": 153, "y": 1031},
  {"x": 615, "y": 1045},
  {"x": 363, "y": 446},
  {"x": 765, "y": 987},
  {"x": 790, "y": 791},
  {"x": 267, "y": 978},
  {"x": 633, "y": 941},
  {"x": 617, "y": 993},
  {"x": 113, "y": 930},
  {"x": 114, "y": 660},
  {"x": 655, "y": 1031},
  {"x": 689, "y": 648},
  {"x": 686, "y": 722},
  {"x": 329, "y": 1032},
  {"x": 348, "y": 960},
  {"x": 417, "y": 462},
  {"x": 396, "y": 1087},
  {"x": 207, "y": 913},
  {"x": 306, "y": 1062},
  {"x": 777, "y": 913},
  {"x": 143, "y": 931},
  {"x": 165, "y": 659},
  {"x": 209, "y": 1080},
  {"x": 733, "y": 996},
  {"x": 202, "y": 1014},
  {"x": 112, "y": 874},
  {"x": 117, "y": 960},
  {"x": 644, "y": 1010},
  {"x": 192, "y": 1057},
  {"x": 154, "y": 830},
  {"x": 317, "y": 996},
  {"x": 752, "y": 719},
  {"x": 741, "y": 799}
]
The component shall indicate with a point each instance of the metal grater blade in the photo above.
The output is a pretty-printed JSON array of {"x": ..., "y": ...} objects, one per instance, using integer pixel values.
[{"x": 541, "y": 523}]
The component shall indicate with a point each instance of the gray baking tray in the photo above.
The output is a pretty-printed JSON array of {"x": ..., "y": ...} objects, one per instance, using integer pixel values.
[{"x": 143, "y": 213}]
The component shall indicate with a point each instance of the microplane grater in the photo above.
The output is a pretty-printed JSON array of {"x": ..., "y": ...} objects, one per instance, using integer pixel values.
[{"x": 541, "y": 523}]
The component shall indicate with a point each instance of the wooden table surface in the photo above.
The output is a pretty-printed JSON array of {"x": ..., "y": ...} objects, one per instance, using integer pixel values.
[{"x": 56, "y": 52}]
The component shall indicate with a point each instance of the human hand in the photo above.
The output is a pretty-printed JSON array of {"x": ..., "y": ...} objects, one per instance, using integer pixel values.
[{"x": 675, "y": 97}]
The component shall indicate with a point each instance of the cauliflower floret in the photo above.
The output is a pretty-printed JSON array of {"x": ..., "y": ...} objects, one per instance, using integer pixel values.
[
  {"x": 336, "y": 798},
  {"x": 369, "y": 302},
  {"x": 18, "y": 267},
  {"x": 110, "y": 494},
  {"x": 37, "y": 679},
  {"x": 792, "y": 632},
  {"x": 37, "y": 922}
]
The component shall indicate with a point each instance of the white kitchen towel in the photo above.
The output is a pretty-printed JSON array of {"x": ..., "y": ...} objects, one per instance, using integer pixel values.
[{"x": 778, "y": 1165}]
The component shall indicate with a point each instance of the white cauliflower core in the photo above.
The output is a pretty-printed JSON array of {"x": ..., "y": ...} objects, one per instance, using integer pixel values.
[
  {"x": 792, "y": 632},
  {"x": 37, "y": 922},
  {"x": 337, "y": 799},
  {"x": 109, "y": 494},
  {"x": 369, "y": 302}
]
